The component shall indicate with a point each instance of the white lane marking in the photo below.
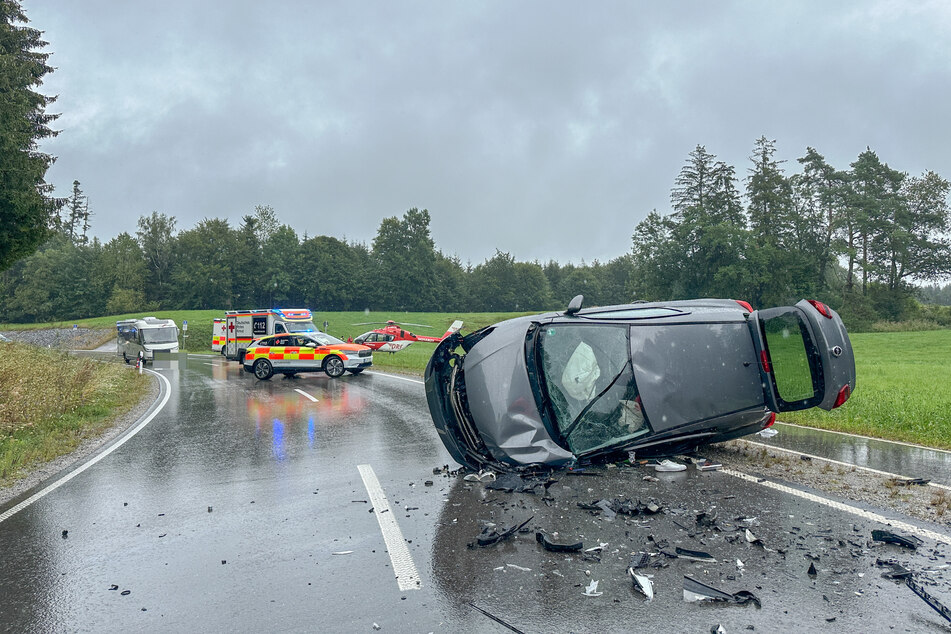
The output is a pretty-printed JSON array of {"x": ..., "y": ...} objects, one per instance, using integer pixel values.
[
  {"x": 303, "y": 393},
  {"x": 69, "y": 476},
  {"x": 874, "y": 517},
  {"x": 840, "y": 463},
  {"x": 845, "y": 433},
  {"x": 406, "y": 575},
  {"x": 396, "y": 376}
]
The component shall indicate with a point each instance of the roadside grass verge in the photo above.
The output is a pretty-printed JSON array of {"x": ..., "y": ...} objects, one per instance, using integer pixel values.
[
  {"x": 49, "y": 405},
  {"x": 902, "y": 392}
]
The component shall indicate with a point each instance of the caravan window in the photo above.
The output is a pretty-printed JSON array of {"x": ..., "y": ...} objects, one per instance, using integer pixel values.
[{"x": 159, "y": 335}]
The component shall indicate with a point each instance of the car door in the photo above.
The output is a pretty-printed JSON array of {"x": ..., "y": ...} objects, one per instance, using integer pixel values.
[
  {"x": 307, "y": 357},
  {"x": 805, "y": 356},
  {"x": 281, "y": 351}
]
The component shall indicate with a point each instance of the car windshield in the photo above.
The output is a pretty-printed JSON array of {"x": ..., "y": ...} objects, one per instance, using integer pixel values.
[
  {"x": 323, "y": 338},
  {"x": 300, "y": 326},
  {"x": 590, "y": 383},
  {"x": 167, "y": 334}
]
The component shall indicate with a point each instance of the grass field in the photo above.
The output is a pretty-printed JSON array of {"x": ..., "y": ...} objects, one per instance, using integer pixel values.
[
  {"x": 903, "y": 389},
  {"x": 51, "y": 404}
]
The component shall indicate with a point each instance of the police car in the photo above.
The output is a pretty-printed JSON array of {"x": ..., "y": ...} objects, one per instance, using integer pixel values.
[{"x": 290, "y": 353}]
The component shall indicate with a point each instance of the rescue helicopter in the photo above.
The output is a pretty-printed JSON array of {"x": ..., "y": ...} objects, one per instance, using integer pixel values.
[{"x": 393, "y": 337}]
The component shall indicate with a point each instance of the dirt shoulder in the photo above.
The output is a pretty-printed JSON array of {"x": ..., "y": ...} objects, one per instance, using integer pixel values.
[
  {"x": 924, "y": 502},
  {"x": 87, "y": 448}
]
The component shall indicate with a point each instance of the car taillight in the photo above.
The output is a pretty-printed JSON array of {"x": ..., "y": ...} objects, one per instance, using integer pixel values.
[
  {"x": 764, "y": 361},
  {"x": 746, "y": 305},
  {"x": 843, "y": 396},
  {"x": 770, "y": 420},
  {"x": 822, "y": 308}
]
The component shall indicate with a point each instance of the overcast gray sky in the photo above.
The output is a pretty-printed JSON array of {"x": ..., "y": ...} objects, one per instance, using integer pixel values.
[{"x": 544, "y": 129}]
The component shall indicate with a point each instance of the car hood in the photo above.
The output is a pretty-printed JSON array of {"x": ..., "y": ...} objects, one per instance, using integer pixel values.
[{"x": 501, "y": 401}]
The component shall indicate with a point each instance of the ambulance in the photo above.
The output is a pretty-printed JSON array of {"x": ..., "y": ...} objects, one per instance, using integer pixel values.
[
  {"x": 142, "y": 338},
  {"x": 218, "y": 335},
  {"x": 241, "y": 327}
]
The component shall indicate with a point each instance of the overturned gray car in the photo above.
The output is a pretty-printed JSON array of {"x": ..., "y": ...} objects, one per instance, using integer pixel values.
[{"x": 657, "y": 378}]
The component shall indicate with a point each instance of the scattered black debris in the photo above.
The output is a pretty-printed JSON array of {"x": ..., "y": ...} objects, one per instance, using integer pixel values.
[
  {"x": 508, "y": 626},
  {"x": 697, "y": 591},
  {"x": 209, "y": 509},
  {"x": 707, "y": 518},
  {"x": 812, "y": 572},
  {"x": 224, "y": 561},
  {"x": 717, "y": 629},
  {"x": 126, "y": 592},
  {"x": 806, "y": 458},
  {"x": 927, "y": 598},
  {"x": 621, "y": 507},
  {"x": 359, "y": 502},
  {"x": 694, "y": 555},
  {"x": 888, "y": 537},
  {"x": 896, "y": 571},
  {"x": 125, "y": 504},
  {"x": 515, "y": 483},
  {"x": 492, "y": 535},
  {"x": 113, "y": 587},
  {"x": 428, "y": 483},
  {"x": 545, "y": 540},
  {"x": 639, "y": 560},
  {"x": 65, "y": 534},
  {"x": 583, "y": 472}
]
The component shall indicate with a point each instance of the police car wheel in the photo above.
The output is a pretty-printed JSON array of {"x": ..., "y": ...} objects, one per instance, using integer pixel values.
[
  {"x": 263, "y": 369},
  {"x": 333, "y": 366}
]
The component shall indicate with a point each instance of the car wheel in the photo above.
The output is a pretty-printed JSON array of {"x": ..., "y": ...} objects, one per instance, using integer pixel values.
[
  {"x": 263, "y": 369},
  {"x": 333, "y": 366},
  {"x": 355, "y": 371}
]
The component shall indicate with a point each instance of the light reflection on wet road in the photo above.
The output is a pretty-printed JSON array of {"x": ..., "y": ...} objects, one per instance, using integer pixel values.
[{"x": 225, "y": 512}]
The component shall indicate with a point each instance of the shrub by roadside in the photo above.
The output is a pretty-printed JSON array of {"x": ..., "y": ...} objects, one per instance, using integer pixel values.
[{"x": 50, "y": 402}]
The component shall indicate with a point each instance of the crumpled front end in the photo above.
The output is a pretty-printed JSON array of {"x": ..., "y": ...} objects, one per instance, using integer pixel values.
[{"x": 482, "y": 402}]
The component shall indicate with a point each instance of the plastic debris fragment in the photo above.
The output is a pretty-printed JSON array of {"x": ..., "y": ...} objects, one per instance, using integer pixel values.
[
  {"x": 694, "y": 555},
  {"x": 812, "y": 572},
  {"x": 492, "y": 535},
  {"x": 696, "y": 591},
  {"x": 888, "y": 537},
  {"x": 642, "y": 583},
  {"x": 592, "y": 590},
  {"x": 548, "y": 543},
  {"x": 767, "y": 433},
  {"x": 936, "y": 605}
]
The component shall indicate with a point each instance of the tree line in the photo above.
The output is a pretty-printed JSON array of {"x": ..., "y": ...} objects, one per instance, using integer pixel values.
[{"x": 858, "y": 239}]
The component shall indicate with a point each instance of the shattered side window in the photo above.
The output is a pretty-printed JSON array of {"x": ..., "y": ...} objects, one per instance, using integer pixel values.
[{"x": 591, "y": 385}]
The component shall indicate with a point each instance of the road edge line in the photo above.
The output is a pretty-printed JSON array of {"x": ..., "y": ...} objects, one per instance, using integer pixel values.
[{"x": 13, "y": 510}]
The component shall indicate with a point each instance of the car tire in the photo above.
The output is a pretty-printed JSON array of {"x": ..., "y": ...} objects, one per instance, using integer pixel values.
[
  {"x": 333, "y": 366},
  {"x": 263, "y": 369},
  {"x": 355, "y": 371}
]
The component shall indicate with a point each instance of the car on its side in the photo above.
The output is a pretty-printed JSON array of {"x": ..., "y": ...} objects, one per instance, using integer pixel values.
[
  {"x": 655, "y": 378},
  {"x": 290, "y": 353}
]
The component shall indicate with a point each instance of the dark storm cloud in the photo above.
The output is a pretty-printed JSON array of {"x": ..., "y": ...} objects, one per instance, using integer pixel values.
[{"x": 547, "y": 130}]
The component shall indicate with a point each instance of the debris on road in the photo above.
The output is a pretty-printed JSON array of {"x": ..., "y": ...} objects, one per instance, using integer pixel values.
[
  {"x": 510, "y": 627},
  {"x": 515, "y": 483},
  {"x": 888, "y": 537},
  {"x": 592, "y": 589},
  {"x": 342, "y": 552},
  {"x": 642, "y": 583},
  {"x": 694, "y": 555},
  {"x": 936, "y": 605},
  {"x": 549, "y": 543},
  {"x": 767, "y": 433},
  {"x": 669, "y": 465},
  {"x": 482, "y": 476},
  {"x": 491, "y": 535},
  {"x": 697, "y": 591}
]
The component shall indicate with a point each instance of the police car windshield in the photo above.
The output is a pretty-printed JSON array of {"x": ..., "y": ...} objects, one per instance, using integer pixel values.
[
  {"x": 323, "y": 338},
  {"x": 300, "y": 326},
  {"x": 159, "y": 335}
]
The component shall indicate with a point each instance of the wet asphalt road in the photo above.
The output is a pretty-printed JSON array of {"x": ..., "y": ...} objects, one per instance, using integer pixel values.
[{"x": 225, "y": 512}]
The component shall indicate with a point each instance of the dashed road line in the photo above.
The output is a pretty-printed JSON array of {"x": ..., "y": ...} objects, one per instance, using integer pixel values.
[
  {"x": 407, "y": 577},
  {"x": 305, "y": 394},
  {"x": 75, "y": 472},
  {"x": 848, "y": 508},
  {"x": 839, "y": 462}
]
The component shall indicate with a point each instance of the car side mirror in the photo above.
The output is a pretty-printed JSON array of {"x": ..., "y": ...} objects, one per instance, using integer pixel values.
[
  {"x": 310, "y": 344},
  {"x": 575, "y": 305}
]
